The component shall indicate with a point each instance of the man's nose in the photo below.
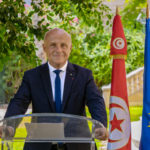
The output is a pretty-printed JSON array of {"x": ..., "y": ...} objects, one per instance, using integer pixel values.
[{"x": 58, "y": 48}]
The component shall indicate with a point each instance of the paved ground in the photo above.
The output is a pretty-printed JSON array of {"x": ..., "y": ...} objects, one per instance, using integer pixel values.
[
  {"x": 136, "y": 133},
  {"x": 135, "y": 128}
]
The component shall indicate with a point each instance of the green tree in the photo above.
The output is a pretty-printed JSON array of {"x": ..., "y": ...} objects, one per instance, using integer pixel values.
[
  {"x": 95, "y": 54},
  {"x": 18, "y": 31},
  {"x": 88, "y": 22},
  {"x": 131, "y": 12}
]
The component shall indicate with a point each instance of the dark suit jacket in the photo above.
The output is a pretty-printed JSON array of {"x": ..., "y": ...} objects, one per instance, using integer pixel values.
[{"x": 79, "y": 90}]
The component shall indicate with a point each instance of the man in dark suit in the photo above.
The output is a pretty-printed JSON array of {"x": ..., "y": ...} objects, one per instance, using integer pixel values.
[{"x": 59, "y": 86}]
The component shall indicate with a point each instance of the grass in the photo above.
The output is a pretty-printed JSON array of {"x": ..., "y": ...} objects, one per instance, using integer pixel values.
[{"x": 135, "y": 114}]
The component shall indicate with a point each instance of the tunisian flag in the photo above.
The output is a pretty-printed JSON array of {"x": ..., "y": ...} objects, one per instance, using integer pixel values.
[{"x": 119, "y": 125}]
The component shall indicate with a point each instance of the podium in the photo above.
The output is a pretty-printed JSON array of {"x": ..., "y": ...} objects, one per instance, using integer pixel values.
[{"x": 49, "y": 128}]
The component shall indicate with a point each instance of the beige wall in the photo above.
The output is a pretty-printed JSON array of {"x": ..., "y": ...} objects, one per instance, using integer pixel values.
[{"x": 134, "y": 86}]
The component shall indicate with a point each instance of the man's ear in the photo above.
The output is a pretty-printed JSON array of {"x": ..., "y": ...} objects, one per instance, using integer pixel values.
[
  {"x": 44, "y": 48},
  {"x": 71, "y": 48}
]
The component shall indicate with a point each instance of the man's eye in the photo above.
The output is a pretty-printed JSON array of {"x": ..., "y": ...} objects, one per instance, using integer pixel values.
[
  {"x": 52, "y": 45},
  {"x": 63, "y": 45}
]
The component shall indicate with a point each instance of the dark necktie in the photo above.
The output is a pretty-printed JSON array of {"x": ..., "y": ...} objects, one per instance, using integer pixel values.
[{"x": 58, "y": 91}]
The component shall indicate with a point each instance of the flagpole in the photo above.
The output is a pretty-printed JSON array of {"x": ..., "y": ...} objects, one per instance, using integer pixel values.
[
  {"x": 147, "y": 11},
  {"x": 117, "y": 10},
  {"x": 145, "y": 137},
  {"x": 119, "y": 124}
]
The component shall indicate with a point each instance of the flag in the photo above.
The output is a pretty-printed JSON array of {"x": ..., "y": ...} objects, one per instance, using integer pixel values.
[
  {"x": 145, "y": 136},
  {"x": 118, "y": 40},
  {"x": 119, "y": 124}
]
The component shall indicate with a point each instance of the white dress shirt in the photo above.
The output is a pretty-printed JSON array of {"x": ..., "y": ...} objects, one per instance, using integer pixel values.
[{"x": 62, "y": 78}]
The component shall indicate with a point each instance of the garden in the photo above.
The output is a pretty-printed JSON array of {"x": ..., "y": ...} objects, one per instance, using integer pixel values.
[{"x": 89, "y": 23}]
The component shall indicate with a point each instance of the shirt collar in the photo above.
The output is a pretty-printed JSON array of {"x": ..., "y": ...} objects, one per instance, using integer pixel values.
[{"x": 51, "y": 68}]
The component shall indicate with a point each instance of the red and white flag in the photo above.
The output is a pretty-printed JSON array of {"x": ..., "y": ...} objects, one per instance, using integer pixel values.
[
  {"x": 119, "y": 125},
  {"x": 118, "y": 40}
]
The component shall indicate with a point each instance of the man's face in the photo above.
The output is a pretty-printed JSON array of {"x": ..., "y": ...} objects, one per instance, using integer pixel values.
[{"x": 57, "y": 47}]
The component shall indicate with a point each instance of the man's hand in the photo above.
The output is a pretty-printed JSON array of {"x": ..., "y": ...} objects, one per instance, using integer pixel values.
[
  {"x": 9, "y": 131},
  {"x": 101, "y": 133}
]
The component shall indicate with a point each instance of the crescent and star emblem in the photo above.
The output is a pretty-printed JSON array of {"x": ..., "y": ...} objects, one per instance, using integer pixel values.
[
  {"x": 119, "y": 123},
  {"x": 119, "y": 43}
]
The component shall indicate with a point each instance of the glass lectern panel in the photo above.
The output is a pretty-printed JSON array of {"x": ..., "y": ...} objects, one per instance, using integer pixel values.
[{"x": 45, "y": 127}]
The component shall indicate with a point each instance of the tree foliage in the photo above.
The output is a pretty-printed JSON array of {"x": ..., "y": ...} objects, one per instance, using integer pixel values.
[
  {"x": 131, "y": 12},
  {"x": 96, "y": 54},
  {"x": 18, "y": 32},
  {"x": 20, "y": 24},
  {"x": 88, "y": 22}
]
